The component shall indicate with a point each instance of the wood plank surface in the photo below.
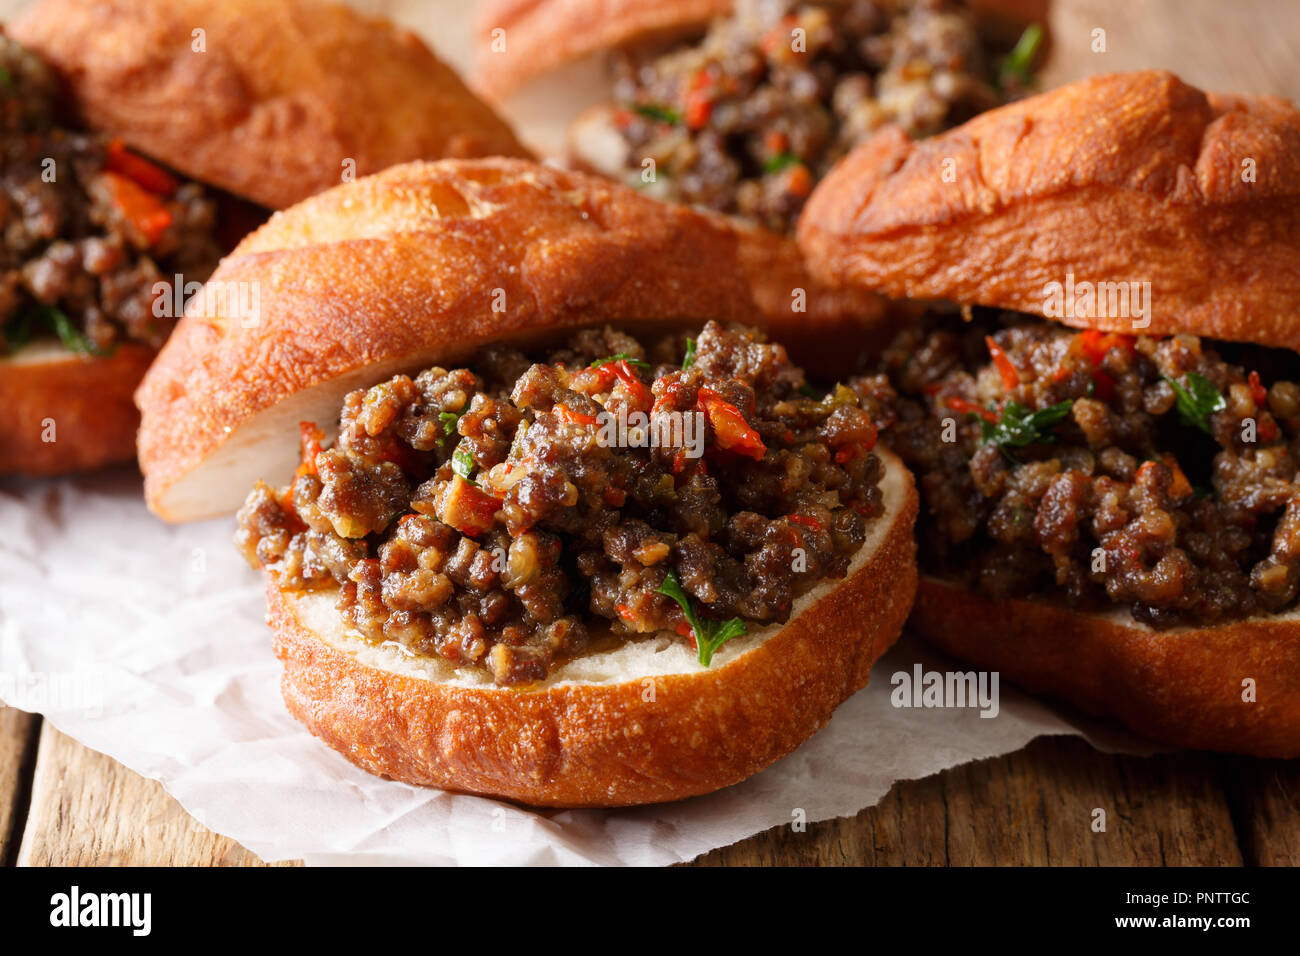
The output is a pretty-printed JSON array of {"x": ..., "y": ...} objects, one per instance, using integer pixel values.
[
  {"x": 17, "y": 761},
  {"x": 89, "y": 810},
  {"x": 1034, "y": 807},
  {"x": 1265, "y": 795}
]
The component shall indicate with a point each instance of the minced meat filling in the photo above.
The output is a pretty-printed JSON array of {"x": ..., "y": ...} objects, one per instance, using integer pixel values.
[
  {"x": 502, "y": 517},
  {"x": 1158, "y": 474},
  {"x": 748, "y": 120},
  {"x": 89, "y": 228}
]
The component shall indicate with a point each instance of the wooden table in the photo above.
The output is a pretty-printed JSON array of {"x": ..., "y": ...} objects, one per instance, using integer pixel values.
[{"x": 61, "y": 803}]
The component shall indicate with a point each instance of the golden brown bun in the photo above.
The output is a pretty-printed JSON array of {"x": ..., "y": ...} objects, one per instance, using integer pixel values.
[
  {"x": 284, "y": 93},
  {"x": 1127, "y": 177},
  {"x": 542, "y": 34},
  {"x": 87, "y": 399},
  {"x": 622, "y": 727},
  {"x": 1182, "y": 687},
  {"x": 400, "y": 271}
]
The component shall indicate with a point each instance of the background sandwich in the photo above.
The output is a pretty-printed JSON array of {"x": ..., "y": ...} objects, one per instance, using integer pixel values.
[
  {"x": 470, "y": 586},
  {"x": 142, "y": 140},
  {"x": 1111, "y": 514},
  {"x": 742, "y": 109}
]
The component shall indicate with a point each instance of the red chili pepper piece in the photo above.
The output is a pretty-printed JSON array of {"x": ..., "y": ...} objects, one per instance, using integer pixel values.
[
  {"x": 1258, "y": 391},
  {"x": 970, "y": 408},
  {"x": 699, "y": 103},
  {"x": 139, "y": 170},
  {"x": 632, "y": 382},
  {"x": 309, "y": 442},
  {"x": 806, "y": 521},
  {"x": 575, "y": 418},
  {"x": 729, "y": 426},
  {"x": 1010, "y": 377},
  {"x": 141, "y": 208},
  {"x": 684, "y": 629}
]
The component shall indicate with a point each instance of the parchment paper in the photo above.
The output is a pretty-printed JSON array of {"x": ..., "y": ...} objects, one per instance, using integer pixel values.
[{"x": 147, "y": 642}]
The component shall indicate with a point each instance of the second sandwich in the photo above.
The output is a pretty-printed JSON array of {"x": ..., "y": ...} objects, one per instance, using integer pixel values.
[{"x": 544, "y": 518}]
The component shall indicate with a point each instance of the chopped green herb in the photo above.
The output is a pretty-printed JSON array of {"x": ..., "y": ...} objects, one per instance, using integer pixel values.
[
  {"x": 1019, "y": 427},
  {"x": 689, "y": 359},
  {"x": 7, "y": 80},
  {"x": 620, "y": 357},
  {"x": 462, "y": 463},
  {"x": 709, "y": 634},
  {"x": 780, "y": 161},
  {"x": 449, "y": 420},
  {"x": 1018, "y": 64},
  {"x": 657, "y": 112},
  {"x": 1198, "y": 401},
  {"x": 57, "y": 321},
  {"x": 806, "y": 389}
]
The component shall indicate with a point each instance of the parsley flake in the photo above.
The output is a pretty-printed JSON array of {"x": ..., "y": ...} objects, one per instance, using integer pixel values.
[
  {"x": 658, "y": 112},
  {"x": 620, "y": 357},
  {"x": 1197, "y": 401},
  {"x": 1018, "y": 426},
  {"x": 709, "y": 634}
]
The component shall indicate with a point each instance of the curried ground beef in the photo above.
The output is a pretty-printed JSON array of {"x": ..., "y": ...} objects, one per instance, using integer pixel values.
[
  {"x": 491, "y": 516},
  {"x": 88, "y": 228},
  {"x": 1163, "y": 478},
  {"x": 749, "y": 119}
]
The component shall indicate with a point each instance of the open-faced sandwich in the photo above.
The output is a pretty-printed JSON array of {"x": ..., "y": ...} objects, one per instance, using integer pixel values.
[
  {"x": 743, "y": 108},
  {"x": 1105, "y": 422},
  {"x": 543, "y": 516},
  {"x": 141, "y": 140}
]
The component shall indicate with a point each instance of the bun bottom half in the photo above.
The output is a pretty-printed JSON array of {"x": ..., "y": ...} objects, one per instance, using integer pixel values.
[
  {"x": 1183, "y": 686},
  {"x": 84, "y": 404},
  {"x": 642, "y": 723}
]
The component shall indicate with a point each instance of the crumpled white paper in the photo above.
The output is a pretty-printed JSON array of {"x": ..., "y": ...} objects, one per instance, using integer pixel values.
[{"x": 147, "y": 642}]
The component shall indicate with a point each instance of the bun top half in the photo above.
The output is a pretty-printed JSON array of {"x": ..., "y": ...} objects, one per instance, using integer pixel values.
[
  {"x": 1124, "y": 178},
  {"x": 270, "y": 99},
  {"x": 422, "y": 264},
  {"x": 516, "y": 40}
]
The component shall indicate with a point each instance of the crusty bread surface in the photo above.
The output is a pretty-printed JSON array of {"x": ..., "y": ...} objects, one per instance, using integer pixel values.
[
  {"x": 540, "y": 35},
  {"x": 283, "y": 99},
  {"x": 641, "y": 723},
  {"x": 1124, "y": 178},
  {"x": 1189, "y": 687},
  {"x": 66, "y": 412},
  {"x": 421, "y": 265}
]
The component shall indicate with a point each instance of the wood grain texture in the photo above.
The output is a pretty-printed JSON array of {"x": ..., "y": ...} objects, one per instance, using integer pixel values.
[
  {"x": 17, "y": 757},
  {"x": 1033, "y": 808},
  {"x": 89, "y": 810},
  {"x": 1265, "y": 796}
]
